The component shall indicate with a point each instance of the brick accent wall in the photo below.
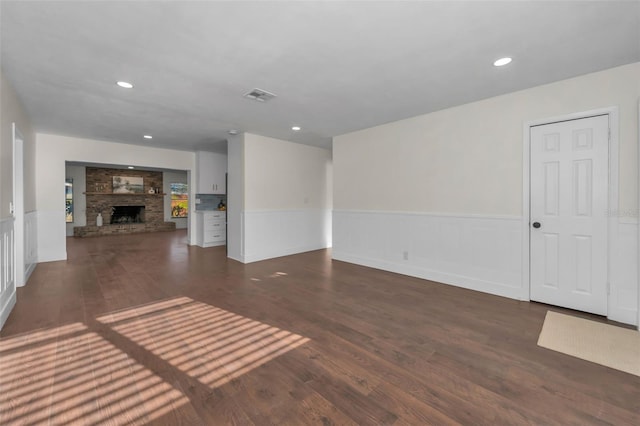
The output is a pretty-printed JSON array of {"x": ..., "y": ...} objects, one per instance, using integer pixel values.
[{"x": 100, "y": 199}]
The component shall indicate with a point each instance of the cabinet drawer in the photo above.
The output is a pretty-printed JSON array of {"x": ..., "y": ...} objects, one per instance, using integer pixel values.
[
  {"x": 214, "y": 235},
  {"x": 213, "y": 217},
  {"x": 214, "y": 226}
]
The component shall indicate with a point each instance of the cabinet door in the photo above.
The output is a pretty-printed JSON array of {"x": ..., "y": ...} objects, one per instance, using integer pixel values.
[
  {"x": 211, "y": 172},
  {"x": 219, "y": 173}
]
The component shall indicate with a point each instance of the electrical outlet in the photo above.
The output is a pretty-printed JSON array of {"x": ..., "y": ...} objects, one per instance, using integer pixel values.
[{"x": 405, "y": 255}]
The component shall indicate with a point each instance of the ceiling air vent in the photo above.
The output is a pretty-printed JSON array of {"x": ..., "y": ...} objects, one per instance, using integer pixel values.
[{"x": 259, "y": 95}]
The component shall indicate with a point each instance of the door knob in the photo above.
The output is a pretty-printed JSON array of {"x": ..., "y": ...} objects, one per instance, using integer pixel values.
[{"x": 536, "y": 225}]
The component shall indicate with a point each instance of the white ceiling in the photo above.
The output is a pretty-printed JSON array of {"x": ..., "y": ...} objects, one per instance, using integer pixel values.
[{"x": 335, "y": 67}]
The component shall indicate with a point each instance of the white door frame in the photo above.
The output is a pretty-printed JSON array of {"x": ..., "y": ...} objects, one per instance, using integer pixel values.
[
  {"x": 614, "y": 166},
  {"x": 638, "y": 216},
  {"x": 18, "y": 204}
]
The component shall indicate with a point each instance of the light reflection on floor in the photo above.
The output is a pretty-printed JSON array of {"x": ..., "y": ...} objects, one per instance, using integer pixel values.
[
  {"x": 205, "y": 342},
  {"x": 70, "y": 375}
]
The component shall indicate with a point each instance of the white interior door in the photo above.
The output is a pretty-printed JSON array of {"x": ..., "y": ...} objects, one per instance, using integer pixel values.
[{"x": 568, "y": 220}]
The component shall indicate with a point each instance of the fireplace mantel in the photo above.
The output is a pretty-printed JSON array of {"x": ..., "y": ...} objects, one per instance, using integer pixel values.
[{"x": 119, "y": 193}]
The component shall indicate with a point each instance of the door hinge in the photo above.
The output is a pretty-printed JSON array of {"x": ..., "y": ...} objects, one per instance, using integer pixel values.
[
  {"x": 609, "y": 134},
  {"x": 608, "y": 289}
]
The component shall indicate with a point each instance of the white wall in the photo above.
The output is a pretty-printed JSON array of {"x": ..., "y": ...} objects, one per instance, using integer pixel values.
[
  {"x": 167, "y": 179},
  {"x": 282, "y": 175},
  {"x": 51, "y": 153},
  {"x": 79, "y": 176},
  {"x": 285, "y": 191},
  {"x": 235, "y": 197},
  {"x": 468, "y": 159},
  {"x": 456, "y": 176},
  {"x": 11, "y": 110}
]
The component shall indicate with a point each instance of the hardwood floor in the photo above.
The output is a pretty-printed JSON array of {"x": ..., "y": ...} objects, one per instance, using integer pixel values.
[{"x": 144, "y": 329}]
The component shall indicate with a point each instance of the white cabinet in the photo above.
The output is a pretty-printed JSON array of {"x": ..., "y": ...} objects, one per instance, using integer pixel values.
[
  {"x": 212, "y": 228},
  {"x": 211, "y": 169}
]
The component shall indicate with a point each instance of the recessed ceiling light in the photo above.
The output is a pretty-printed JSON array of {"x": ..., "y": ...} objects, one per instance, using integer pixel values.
[
  {"x": 125, "y": 84},
  {"x": 295, "y": 128},
  {"x": 130, "y": 167},
  {"x": 502, "y": 62},
  {"x": 233, "y": 132},
  {"x": 148, "y": 137}
]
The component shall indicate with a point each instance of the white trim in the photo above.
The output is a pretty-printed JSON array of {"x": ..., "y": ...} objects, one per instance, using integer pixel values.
[
  {"x": 481, "y": 254},
  {"x": 442, "y": 277},
  {"x": 637, "y": 218},
  {"x": 7, "y": 268},
  {"x": 432, "y": 214},
  {"x": 31, "y": 243},
  {"x": 614, "y": 166},
  {"x": 18, "y": 204}
]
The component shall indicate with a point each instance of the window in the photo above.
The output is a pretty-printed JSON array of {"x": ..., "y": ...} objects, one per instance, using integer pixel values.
[
  {"x": 179, "y": 200},
  {"x": 68, "y": 198}
]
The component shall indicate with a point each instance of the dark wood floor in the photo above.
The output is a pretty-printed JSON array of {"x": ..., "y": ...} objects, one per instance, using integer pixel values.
[{"x": 146, "y": 330}]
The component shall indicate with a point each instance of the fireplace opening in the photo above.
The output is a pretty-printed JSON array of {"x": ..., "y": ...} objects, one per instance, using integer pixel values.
[{"x": 127, "y": 214}]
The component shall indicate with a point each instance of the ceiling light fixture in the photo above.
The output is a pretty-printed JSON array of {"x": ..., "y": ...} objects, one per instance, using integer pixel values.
[
  {"x": 295, "y": 128},
  {"x": 125, "y": 84},
  {"x": 233, "y": 132},
  {"x": 130, "y": 167},
  {"x": 148, "y": 137},
  {"x": 502, "y": 62}
]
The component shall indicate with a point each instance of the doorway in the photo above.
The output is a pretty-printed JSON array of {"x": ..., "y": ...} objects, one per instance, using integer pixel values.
[{"x": 571, "y": 189}]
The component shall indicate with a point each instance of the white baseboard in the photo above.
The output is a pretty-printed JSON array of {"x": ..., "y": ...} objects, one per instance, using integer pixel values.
[
  {"x": 282, "y": 252},
  {"x": 462, "y": 281}
]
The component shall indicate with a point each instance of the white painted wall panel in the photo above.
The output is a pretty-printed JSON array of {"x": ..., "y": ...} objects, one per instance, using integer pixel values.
[
  {"x": 276, "y": 233},
  {"x": 7, "y": 270},
  {"x": 472, "y": 251},
  {"x": 623, "y": 299},
  {"x": 481, "y": 253},
  {"x": 30, "y": 243}
]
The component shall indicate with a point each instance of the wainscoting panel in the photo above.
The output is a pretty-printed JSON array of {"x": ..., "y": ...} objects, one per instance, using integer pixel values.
[
  {"x": 623, "y": 279},
  {"x": 30, "y": 243},
  {"x": 477, "y": 252},
  {"x": 51, "y": 236},
  {"x": 275, "y": 233},
  {"x": 7, "y": 270}
]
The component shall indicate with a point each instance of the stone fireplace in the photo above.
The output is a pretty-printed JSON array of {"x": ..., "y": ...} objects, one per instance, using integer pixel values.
[{"x": 122, "y": 213}]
